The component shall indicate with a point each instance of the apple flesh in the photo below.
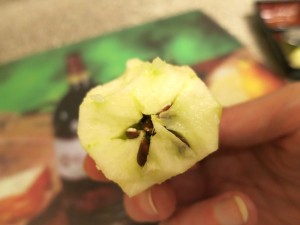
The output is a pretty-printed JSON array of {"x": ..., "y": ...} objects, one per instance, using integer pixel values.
[{"x": 152, "y": 123}]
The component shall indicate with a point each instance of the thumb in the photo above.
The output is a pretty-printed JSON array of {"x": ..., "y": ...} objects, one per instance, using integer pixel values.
[
  {"x": 261, "y": 120},
  {"x": 227, "y": 209}
]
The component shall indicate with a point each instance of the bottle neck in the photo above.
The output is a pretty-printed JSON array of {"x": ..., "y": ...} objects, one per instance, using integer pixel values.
[{"x": 79, "y": 80}]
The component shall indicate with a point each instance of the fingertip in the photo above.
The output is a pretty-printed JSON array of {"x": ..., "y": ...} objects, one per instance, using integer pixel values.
[
  {"x": 154, "y": 204},
  {"x": 164, "y": 200},
  {"x": 92, "y": 171},
  {"x": 139, "y": 208},
  {"x": 247, "y": 208},
  {"x": 235, "y": 207},
  {"x": 227, "y": 209}
]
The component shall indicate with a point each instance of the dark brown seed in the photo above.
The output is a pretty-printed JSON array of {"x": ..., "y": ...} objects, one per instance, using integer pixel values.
[
  {"x": 166, "y": 108},
  {"x": 132, "y": 133},
  {"x": 180, "y": 137},
  {"x": 143, "y": 152}
]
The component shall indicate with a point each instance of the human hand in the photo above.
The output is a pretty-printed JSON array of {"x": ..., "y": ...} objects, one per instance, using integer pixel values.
[{"x": 254, "y": 178}]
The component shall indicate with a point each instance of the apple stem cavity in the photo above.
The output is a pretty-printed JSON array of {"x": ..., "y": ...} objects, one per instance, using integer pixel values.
[{"x": 146, "y": 126}]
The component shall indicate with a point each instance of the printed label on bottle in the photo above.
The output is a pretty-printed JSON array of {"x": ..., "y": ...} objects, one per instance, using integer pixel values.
[{"x": 70, "y": 156}]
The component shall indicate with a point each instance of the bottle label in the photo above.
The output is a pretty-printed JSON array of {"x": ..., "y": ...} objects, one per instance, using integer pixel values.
[{"x": 70, "y": 156}]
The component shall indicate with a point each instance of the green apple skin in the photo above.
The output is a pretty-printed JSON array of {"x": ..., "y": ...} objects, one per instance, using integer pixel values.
[{"x": 146, "y": 88}]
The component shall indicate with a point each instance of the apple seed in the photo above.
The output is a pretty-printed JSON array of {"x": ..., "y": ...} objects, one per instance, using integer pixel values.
[
  {"x": 179, "y": 136},
  {"x": 164, "y": 109},
  {"x": 132, "y": 133},
  {"x": 143, "y": 151}
]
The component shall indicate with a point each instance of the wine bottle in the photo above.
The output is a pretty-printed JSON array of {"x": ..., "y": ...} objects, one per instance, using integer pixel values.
[
  {"x": 84, "y": 199},
  {"x": 69, "y": 153}
]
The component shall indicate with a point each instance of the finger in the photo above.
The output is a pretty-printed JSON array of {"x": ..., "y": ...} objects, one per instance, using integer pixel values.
[
  {"x": 155, "y": 204},
  {"x": 92, "y": 171},
  {"x": 261, "y": 120},
  {"x": 290, "y": 143},
  {"x": 227, "y": 209},
  {"x": 190, "y": 186}
]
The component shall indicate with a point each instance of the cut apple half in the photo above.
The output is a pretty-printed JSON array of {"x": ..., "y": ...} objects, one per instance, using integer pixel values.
[{"x": 153, "y": 122}]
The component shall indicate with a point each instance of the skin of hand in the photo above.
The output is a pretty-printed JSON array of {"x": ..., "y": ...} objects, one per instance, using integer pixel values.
[{"x": 253, "y": 178}]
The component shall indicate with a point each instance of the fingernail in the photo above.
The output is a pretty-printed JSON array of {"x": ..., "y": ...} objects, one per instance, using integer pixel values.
[
  {"x": 231, "y": 211},
  {"x": 147, "y": 203},
  {"x": 242, "y": 208}
]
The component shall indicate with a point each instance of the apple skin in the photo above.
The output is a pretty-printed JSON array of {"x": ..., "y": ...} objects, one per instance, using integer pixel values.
[{"x": 173, "y": 112}]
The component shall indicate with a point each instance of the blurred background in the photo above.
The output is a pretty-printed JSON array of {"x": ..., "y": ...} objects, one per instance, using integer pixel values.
[{"x": 30, "y": 26}]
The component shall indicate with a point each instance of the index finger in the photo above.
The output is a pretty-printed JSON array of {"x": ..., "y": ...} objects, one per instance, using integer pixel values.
[
  {"x": 261, "y": 120},
  {"x": 92, "y": 171}
]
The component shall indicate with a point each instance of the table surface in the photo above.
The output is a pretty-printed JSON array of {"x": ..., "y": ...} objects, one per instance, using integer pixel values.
[{"x": 30, "y": 26}]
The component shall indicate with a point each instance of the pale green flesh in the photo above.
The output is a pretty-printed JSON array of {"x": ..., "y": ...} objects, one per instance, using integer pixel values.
[{"x": 146, "y": 88}]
